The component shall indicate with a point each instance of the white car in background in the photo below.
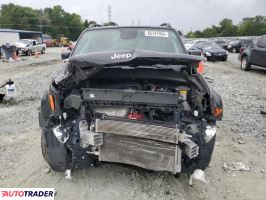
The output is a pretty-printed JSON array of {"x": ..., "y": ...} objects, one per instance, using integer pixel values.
[
  {"x": 30, "y": 47},
  {"x": 188, "y": 43}
]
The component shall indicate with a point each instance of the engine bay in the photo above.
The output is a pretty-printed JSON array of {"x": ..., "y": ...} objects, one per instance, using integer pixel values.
[
  {"x": 164, "y": 115},
  {"x": 153, "y": 100}
]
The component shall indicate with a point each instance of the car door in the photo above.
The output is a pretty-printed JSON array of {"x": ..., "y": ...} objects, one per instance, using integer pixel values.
[
  {"x": 38, "y": 46},
  {"x": 258, "y": 55},
  {"x": 33, "y": 46}
]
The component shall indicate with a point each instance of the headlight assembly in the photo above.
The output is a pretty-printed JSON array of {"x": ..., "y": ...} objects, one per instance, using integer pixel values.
[{"x": 208, "y": 54}]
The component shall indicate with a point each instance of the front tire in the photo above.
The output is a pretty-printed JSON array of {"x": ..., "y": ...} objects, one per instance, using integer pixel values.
[
  {"x": 43, "y": 51},
  {"x": 244, "y": 64},
  {"x": 54, "y": 152},
  {"x": 205, "y": 154},
  {"x": 29, "y": 53}
]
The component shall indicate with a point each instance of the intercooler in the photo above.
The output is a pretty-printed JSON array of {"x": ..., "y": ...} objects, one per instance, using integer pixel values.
[{"x": 149, "y": 146}]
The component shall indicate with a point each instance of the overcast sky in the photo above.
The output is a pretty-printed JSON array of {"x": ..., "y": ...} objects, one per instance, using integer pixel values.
[{"x": 184, "y": 15}]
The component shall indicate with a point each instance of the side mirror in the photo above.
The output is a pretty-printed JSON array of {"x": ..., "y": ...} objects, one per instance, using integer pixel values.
[
  {"x": 65, "y": 55},
  {"x": 195, "y": 52}
]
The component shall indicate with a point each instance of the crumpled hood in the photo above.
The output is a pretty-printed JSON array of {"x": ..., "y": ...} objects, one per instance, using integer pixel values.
[
  {"x": 134, "y": 58},
  {"x": 81, "y": 67}
]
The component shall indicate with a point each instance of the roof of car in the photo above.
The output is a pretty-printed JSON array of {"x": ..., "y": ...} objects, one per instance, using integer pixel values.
[
  {"x": 18, "y": 31},
  {"x": 117, "y": 27},
  {"x": 28, "y": 39},
  {"x": 206, "y": 42}
]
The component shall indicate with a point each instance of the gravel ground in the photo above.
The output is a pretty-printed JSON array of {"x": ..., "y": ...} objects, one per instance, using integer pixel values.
[
  {"x": 241, "y": 137},
  {"x": 32, "y": 77},
  {"x": 243, "y": 94}
]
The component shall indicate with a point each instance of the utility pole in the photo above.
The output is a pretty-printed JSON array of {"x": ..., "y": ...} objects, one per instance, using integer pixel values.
[
  {"x": 41, "y": 27},
  {"x": 109, "y": 11}
]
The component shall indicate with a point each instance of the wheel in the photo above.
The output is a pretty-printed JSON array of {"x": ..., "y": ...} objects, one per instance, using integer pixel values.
[
  {"x": 43, "y": 51},
  {"x": 244, "y": 64},
  {"x": 225, "y": 59},
  {"x": 44, "y": 148},
  {"x": 203, "y": 160},
  {"x": 205, "y": 153},
  {"x": 1, "y": 97},
  {"x": 29, "y": 53},
  {"x": 234, "y": 50},
  {"x": 53, "y": 152}
]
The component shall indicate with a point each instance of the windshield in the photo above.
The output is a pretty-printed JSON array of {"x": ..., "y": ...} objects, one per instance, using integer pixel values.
[
  {"x": 25, "y": 42},
  {"x": 234, "y": 42},
  {"x": 219, "y": 42},
  {"x": 247, "y": 41},
  {"x": 189, "y": 42},
  {"x": 117, "y": 39},
  {"x": 209, "y": 45}
]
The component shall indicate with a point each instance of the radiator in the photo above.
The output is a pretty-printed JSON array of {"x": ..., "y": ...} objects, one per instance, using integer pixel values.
[
  {"x": 138, "y": 129},
  {"x": 136, "y": 144}
]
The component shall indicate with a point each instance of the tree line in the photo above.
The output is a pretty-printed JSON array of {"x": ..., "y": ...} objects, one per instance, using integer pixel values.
[
  {"x": 53, "y": 21},
  {"x": 56, "y": 21},
  {"x": 249, "y": 26}
]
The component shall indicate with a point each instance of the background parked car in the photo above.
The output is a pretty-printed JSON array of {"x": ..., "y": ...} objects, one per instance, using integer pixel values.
[
  {"x": 221, "y": 43},
  {"x": 188, "y": 43},
  {"x": 211, "y": 51},
  {"x": 29, "y": 47},
  {"x": 254, "y": 55},
  {"x": 47, "y": 39},
  {"x": 235, "y": 45},
  {"x": 200, "y": 41}
]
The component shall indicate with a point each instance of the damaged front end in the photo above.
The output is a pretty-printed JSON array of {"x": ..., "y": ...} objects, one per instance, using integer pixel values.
[{"x": 159, "y": 116}]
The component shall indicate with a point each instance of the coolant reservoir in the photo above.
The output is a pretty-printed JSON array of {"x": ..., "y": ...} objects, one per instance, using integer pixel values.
[
  {"x": 183, "y": 91},
  {"x": 10, "y": 90}
]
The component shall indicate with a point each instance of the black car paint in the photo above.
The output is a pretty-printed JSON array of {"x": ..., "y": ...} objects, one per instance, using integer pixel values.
[
  {"x": 72, "y": 72},
  {"x": 237, "y": 44},
  {"x": 221, "y": 43},
  {"x": 97, "y": 61},
  {"x": 136, "y": 58},
  {"x": 256, "y": 55},
  {"x": 82, "y": 67},
  {"x": 217, "y": 54}
]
